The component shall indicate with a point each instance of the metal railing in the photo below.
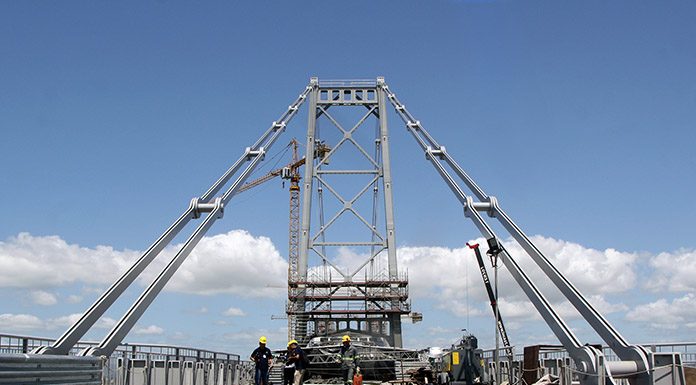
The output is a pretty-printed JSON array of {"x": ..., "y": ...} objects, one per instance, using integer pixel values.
[
  {"x": 38, "y": 369},
  {"x": 112, "y": 367},
  {"x": 687, "y": 350},
  {"x": 553, "y": 359},
  {"x": 347, "y": 83},
  {"x": 13, "y": 344}
]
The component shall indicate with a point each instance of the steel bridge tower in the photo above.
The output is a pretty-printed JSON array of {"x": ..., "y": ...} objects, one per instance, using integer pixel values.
[{"x": 347, "y": 279}]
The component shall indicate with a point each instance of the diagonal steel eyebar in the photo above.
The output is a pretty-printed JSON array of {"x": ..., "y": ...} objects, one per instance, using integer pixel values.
[
  {"x": 206, "y": 204},
  {"x": 633, "y": 356}
]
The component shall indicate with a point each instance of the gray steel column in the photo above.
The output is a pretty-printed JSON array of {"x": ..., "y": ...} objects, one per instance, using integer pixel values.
[
  {"x": 308, "y": 179},
  {"x": 303, "y": 257},
  {"x": 387, "y": 181},
  {"x": 394, "y": 319}
]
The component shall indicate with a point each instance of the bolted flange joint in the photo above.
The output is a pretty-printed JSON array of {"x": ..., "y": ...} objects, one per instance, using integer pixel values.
[
  {"x": 494, "y": 208},
  {"x": 250, "y": 154},
  {"x": 478, "y": 206},
  {"x": 197, "y": 207},
  {"x": 414, "y": 125},
  {"x": 432, "y": 153}
]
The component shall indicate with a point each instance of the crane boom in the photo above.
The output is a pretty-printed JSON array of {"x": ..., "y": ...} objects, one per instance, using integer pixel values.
[
  {"x": 273, "y": 174},
  {"x": 491, "y": 297}
]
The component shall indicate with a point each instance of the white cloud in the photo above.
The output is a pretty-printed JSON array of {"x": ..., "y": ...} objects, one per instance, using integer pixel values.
[
  {"x": 179, "y": 336},
  {"x": 673, "y": 271},
  {"x": 105, "y": 323},
  {"x": 149, "y": 330},
  {"x": 234, "y": 263},
  {"x": 13, "y": 323},
  {"x": 239, "y": 263},
  {"x": 27, "y": 261},
  {"x": 591, "y": 271},
  {"x": 74, "y": 298},
  {"x": 62, "y": 321},
  {"x": 234, "y": 312},
  {"x": 662, "y": 314},
  {"x": 21, "y": 323},
  {"x": 449, "y": 275},
  {"x": 44, "y": 298},
  {"x": 241, "y": 340},
  {"x": 440, "y": 330}
]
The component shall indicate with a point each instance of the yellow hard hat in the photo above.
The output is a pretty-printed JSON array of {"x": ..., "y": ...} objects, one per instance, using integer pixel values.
[
  {"x": 292, "y": 342},
  {"x": 346, "y": 338},
  {"x": 263, "y": 339}
]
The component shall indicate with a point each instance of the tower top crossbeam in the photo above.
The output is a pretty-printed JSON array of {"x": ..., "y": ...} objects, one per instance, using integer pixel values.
[{"x": 346, "y": 83}]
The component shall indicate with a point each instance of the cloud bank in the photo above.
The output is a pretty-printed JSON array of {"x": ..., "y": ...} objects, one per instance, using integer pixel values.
[
  {"x": 250, "y": 266},
  {"x": 235, "y": 262}
]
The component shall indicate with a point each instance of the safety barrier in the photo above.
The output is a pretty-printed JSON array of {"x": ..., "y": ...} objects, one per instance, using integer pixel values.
[
  {"x": 554, "y": 360},
  {"x": 130, "y": 364},
  {"x": 26, "y": 368},
  {"x": 174, "y": 372}
]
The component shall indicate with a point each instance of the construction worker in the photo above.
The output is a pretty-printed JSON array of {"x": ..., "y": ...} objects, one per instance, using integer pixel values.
[
  {"x": 289, "y": 368},
  {"x": 300, "y": 360},
  {"x": 349, "y": 360},
  {"x": 263, "y": 358}
]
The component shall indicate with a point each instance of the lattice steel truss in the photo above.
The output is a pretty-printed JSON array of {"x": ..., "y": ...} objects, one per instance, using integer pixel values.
[{"x": 371, "y": 296}]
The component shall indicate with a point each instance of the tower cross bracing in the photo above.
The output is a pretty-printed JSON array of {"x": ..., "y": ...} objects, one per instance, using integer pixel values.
[{"x": 370, "y": 296}]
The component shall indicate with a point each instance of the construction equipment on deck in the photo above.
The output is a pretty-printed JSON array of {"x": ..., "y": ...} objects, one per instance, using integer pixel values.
[
  {"x": 462, "y": 365},
  {"x": 494, "y": 302}
]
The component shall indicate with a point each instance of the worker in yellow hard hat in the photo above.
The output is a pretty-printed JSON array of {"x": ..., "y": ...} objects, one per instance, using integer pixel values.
[
  {"x": 289, "y": 368},
  {"x": 349, "y": 360},
  {"x": 263, "y": 358},
  {"x": 297, "y": 356}
]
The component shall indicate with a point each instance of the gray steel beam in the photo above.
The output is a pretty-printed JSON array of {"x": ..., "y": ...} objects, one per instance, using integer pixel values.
[
  {"x": 252, "y": 154},
  {"x": 63, "y": 344},
  {"x": 591, "y": 315},
  {"x": 304, "y": 246},
  {"x": 601, "y": 325},
  {"x": 387, "y": 183},
  {"x": 395, "y": 320},
  {"x": 308, "y": 181},
  {"x": 587, "y": 359},
  {"x": 121, "y": 329}
]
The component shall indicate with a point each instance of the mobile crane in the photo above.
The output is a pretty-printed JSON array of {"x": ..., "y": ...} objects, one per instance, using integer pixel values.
[{"x": 492, "y": 298}]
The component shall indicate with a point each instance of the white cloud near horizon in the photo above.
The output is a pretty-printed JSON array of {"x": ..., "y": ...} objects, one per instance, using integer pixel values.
[
  {"x": 239, "y": 263},
  {"x": 232, "y": 263},
  {"x": 40, "y": 262},
  {"x": 149, "y": 330},
  {"x": 234, "y": 312},
  {"x": 664, "y": 314},
  {"x": 674, "y": 271},
  {"x": 441, "y": 273},
  {"x": 20, "y": 323},
  {"x": 42, "y": 297}
]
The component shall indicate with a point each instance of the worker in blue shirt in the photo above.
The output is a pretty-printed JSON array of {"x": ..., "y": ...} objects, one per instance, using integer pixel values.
[
  {"x": 263, "y": 358},
  {"x": 298, "y": 357}
]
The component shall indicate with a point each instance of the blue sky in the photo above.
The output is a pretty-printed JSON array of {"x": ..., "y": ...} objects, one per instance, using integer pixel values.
[{"x": 578, "y": 116}]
